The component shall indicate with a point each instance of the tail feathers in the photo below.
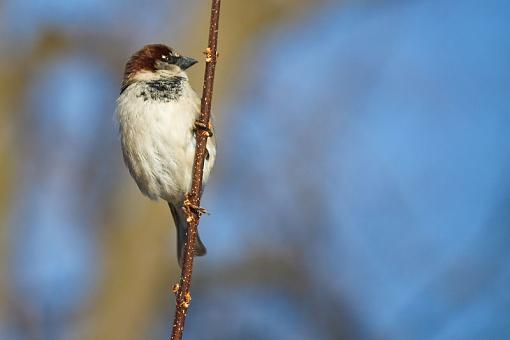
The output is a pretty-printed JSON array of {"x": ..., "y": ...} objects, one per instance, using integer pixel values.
[{"x": 180, "y": 224}]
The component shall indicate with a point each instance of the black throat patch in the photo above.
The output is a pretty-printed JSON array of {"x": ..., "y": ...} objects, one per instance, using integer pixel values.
[{"x": 164, "y": 89}]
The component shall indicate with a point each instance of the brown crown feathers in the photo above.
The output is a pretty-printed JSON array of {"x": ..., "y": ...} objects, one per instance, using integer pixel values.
[{"x": 144, "y": 60}]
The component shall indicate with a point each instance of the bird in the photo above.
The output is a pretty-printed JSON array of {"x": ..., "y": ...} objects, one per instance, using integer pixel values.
[{"x": 157, "y": 112}]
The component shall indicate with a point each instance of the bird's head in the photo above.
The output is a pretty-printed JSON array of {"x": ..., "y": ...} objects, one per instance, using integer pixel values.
[{"x": 155, "y": 61}]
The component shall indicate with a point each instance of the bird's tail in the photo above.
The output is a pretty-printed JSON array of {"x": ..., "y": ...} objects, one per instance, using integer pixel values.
[{"x": 180, "y": 225}]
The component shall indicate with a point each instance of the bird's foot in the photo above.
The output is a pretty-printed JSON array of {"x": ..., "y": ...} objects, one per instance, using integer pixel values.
[
  {"x": 204, "y": 127},
  {"x": 189, "y": 207}
]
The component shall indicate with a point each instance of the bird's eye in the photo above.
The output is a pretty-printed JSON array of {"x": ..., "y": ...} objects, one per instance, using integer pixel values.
[{"x": 164, "y": 57}]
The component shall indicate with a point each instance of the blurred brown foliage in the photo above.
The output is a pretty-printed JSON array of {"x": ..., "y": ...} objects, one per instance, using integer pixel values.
[{"x": 138, "y": 268}]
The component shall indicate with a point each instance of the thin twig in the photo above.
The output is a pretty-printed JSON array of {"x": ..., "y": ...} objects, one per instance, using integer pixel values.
[{"x": 183, "y": 297}]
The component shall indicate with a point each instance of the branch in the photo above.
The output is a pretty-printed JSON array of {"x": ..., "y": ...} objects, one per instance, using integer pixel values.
[{"x": 192, "y": 205}]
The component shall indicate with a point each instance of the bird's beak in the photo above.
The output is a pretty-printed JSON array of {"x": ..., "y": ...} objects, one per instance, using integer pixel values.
[{"x": 185, "y": 62}]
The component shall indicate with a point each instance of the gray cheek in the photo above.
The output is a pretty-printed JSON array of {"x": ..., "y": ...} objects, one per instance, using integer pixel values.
[{"x": 160, "y": 65}]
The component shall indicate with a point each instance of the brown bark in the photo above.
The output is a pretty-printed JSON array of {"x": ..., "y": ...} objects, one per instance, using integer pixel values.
[{"x": 182, "y": 290}]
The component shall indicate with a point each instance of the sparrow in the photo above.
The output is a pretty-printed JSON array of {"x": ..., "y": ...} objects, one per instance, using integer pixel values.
[{"x": 156, "y": 113}]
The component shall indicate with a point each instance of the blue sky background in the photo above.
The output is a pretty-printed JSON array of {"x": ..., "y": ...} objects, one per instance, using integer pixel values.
[{"x": 361, "y": 189}]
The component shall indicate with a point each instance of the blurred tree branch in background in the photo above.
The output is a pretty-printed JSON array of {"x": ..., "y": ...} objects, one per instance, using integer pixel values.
[{"x": 135, "y": 267}]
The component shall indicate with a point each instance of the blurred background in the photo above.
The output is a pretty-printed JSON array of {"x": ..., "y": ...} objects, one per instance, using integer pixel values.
[{"x": 361, "y": 189}]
